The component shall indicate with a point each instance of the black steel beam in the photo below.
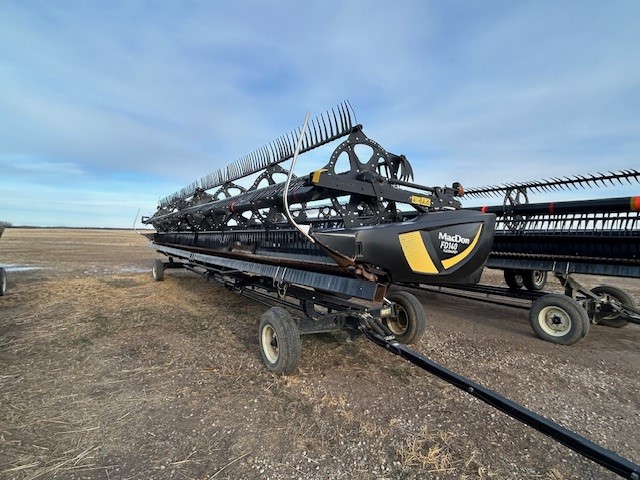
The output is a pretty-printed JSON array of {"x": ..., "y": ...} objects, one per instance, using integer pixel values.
[
  {"x": 606, "y": 458},
  {"x": 352, "y": 287}
]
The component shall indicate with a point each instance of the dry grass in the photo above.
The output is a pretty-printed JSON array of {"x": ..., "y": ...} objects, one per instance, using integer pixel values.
[
  {"x": 430, "y": 452},
  {"x": 107, "y": 374}
]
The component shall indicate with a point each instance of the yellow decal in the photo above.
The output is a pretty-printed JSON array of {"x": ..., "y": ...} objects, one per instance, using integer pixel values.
[
  {"x": 453, "y": 261},
  {"x": 416, "y": 253},
  {"x": 315, "y": 176},
  {"x": 416, "y": 200}
]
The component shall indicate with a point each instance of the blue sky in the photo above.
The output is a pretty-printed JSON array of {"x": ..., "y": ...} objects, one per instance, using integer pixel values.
[{"x": 106, "y": 107}]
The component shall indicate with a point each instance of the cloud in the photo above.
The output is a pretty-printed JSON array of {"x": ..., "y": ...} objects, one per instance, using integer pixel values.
[{"x": 166, "y": 93}]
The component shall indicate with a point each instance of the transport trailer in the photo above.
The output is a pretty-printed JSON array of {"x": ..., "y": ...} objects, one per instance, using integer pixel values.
[
  {"x": 591, "y": 237},
  {"x": 322, "y": 250},
  {"x": 303, "y": 302}
]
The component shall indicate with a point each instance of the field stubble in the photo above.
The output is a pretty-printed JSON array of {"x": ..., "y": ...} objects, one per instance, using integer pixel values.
[{"x": 107, "y": 374}]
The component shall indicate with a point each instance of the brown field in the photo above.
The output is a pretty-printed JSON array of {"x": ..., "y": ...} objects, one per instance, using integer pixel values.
[{"x": 107, "y": 374}]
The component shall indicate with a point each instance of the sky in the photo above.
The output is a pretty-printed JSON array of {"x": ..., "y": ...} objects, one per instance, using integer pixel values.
[{"x": 108, "y": 106}]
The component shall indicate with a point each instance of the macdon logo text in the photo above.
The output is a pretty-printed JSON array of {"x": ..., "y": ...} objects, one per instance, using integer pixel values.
[{"x": 451, "y": 243}]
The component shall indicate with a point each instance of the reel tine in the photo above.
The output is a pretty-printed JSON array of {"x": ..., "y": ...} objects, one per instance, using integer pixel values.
[
  {"x": 569, "y": 183},
  {"x": 266, "y": 155},
  {"x": 290, "y": 142},
  {"x": 252, "y": 161},
  {"x": 293, "y": 141},
  {"x": 287, "y": 148},
  {"x": 353, "y": 113},
  {"x": 279, "y": 152},
  {"x": 582, "y": 179},
  {"x": 269, "y": 157},
  {"x": 279, "y": 148},
  {"x": 601, "y": 180},
  {"x": 259, "y": 159},
  {"x": 286, "y": 145},
  {"x": 307, "y": 138},
  {"x": 326, "y": 133},
  {"x": 330, "y": 124},
  {"x": 347, "y": 116},
  {"x": 274, "y": 150},
  {"x": 326, "y": 127},
  {"x": 340, "y": 119},
  {"x": 315, "y": 131},
  {"x": 347, "y": 121},
  {"x": 616, "y": 178},
  {"x": 271, "y": 152},
  {"x": 337, "y": 120}
]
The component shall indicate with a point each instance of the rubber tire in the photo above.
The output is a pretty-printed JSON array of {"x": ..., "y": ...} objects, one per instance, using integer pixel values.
[
  {"x": 277, "y": 325},
  {"x": 158, "y": 270},
  {"x": 564, "y": 308},
  {"x": 513, "y": 279},
  {"x": 412, "y": 319},
  {"x": 618, "y": 294},
  {"x": 534, "y": 279},
  {"x": 3, "y": 281}
]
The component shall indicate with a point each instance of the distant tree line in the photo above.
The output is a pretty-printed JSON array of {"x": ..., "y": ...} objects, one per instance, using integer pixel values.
[{"x": 5, "y": 224}]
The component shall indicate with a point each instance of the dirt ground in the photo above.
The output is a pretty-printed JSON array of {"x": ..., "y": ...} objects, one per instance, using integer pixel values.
[{"x": 106, "y": 374}]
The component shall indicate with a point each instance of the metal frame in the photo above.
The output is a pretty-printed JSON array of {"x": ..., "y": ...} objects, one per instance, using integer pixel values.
[{"x": 322, "y": 302}]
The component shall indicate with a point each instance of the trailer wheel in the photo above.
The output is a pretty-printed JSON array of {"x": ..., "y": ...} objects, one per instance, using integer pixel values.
[
  {"x": 279, "y": 340},
  {"x": 513, "y": 279},
  {"x": 3, "y": 281},
  {"x": 559, "y": 319},
  {"x": 158, "y": 270},
  {"x": 534, "y": 279},
  {"x": 411, "y": 321},
  {"x": 606, "y": 316}
]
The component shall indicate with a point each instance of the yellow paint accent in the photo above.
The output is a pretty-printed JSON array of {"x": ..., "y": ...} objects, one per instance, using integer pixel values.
[
  {"x": 416, "y": 253},
  {"x": 417, "y": 200},
  {"x": 315, "y": 176},
  {"x": 453, "y": 261}
]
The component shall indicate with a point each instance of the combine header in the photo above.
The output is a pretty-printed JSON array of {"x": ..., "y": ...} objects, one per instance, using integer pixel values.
[
  {"x": 323, "y": 249},
  {"x": 593, "y": 237},
  {"x": 346, "y": 222}
]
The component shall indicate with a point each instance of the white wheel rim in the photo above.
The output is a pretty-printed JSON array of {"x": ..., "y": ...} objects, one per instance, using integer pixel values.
[
  {"x": 554, "y": 321},
  {"x": 155, "y": 271},
  {"x": 4, "y": 282},
  {"x": 270, "y": 344}
]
